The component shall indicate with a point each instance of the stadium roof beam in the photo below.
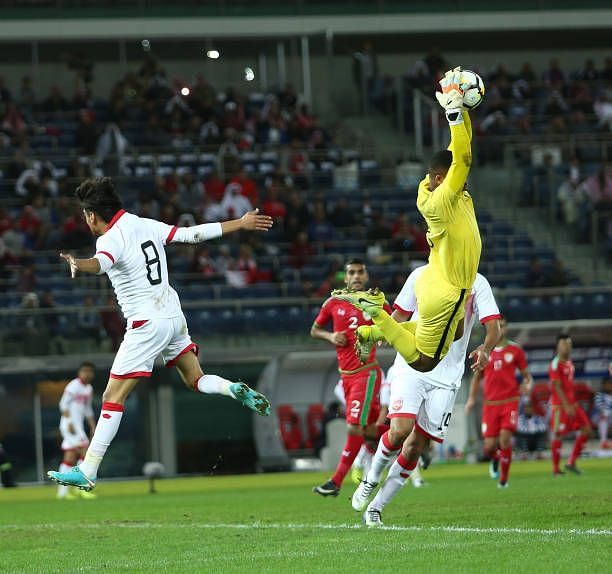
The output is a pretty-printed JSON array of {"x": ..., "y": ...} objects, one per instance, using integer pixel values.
[{"x": 291, "y": 26}]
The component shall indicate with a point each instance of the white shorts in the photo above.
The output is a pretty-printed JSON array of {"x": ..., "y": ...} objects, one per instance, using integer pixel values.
[
  {"x": 73, "y": 440},
  {"x": 145, "y": 341},
  {"x": 415, "y": 398}
]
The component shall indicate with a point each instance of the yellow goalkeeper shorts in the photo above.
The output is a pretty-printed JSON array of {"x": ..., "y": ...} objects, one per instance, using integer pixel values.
[{"x": 441, "y": 306}]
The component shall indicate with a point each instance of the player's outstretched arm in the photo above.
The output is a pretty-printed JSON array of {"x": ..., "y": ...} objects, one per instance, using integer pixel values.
[
  {"x": 250, "y": 221},
  {"x": 91, "y": 265}
]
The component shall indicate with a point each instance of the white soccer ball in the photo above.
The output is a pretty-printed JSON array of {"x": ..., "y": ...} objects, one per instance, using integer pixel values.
[{"x": 473, "y": 89}]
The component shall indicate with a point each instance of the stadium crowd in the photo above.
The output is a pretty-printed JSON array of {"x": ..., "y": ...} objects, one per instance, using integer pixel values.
[{"x": 188, "y": 154}]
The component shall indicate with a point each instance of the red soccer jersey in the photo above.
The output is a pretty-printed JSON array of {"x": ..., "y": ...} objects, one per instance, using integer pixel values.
[
  {"x": 562, "y": 371},
  {"x": 345, "y": 318},
  {"x": 500, "y": 373}
]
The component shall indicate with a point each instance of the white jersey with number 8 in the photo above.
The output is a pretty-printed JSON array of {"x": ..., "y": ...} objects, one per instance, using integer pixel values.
[{"x": 132, "y": 253}]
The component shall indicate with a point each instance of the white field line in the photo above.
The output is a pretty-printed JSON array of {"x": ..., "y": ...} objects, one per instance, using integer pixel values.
[{"x": 293, "y": 526}]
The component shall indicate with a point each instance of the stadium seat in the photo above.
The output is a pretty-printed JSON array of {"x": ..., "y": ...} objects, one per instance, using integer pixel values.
[
  {"x": 290, "y": 430},
  {"x": 314, "y": 423}
]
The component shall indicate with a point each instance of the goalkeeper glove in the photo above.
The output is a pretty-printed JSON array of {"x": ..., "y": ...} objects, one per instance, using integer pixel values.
[{"x": 451, "y": 97}]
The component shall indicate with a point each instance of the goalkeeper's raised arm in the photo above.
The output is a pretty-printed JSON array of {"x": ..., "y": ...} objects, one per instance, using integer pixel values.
[{"x": 451, "y": 99}]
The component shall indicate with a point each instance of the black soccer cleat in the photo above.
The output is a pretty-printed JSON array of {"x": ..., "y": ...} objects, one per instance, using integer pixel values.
[
  {"x": 425, "y": 459},
  {"x": 558, "y": 473},
  {"x": 573, "y": 469},
  {"x": 328, "y": 488}
]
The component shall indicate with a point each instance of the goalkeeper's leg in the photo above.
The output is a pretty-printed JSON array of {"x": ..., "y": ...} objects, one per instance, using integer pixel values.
[{"x": 401, "y": 336}]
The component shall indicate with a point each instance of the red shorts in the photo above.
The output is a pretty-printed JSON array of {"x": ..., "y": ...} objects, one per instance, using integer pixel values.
[
  {"x": 561, "y": 423},
  {"x": 361, "y": 391},
  {"x": 496, "y": 418}
]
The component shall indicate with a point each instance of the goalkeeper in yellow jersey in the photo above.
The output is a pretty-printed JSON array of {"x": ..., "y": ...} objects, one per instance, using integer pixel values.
[{"x": 454, "y": 240}]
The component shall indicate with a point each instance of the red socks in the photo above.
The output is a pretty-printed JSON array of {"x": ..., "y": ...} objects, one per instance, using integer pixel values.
[
  {"x": 388, "y": 448},
  {"x": 407, "y": 465},
  {"x": 555, "y": 451},
  {"x": 505, "y": 458},
  {"x": 578, "y": 445},
  {"x": 351, "y": 448}
]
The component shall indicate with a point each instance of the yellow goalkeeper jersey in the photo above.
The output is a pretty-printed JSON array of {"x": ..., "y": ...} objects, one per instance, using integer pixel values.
[{"x": 453, "y": 235}]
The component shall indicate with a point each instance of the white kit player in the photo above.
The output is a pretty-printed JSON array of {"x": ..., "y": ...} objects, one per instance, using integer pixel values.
[
  {"x": 76, "y": 408},
  {"x": 421, "y": 403},
  {"x": 130, "y": 250}
]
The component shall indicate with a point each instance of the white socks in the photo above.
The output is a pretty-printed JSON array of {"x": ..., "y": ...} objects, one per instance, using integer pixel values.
[
  {"x": 62, "y": 489},
  {"x": 602, "y": 427},
  {"x": 384, "y": 453},
  {"x": 213, "y": 385},
  {"x": 398, "y": 474},
  {"x": 108, "y": 425}
]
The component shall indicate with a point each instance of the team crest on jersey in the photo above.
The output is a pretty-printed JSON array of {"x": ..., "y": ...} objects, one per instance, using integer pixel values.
[
  {"x": 341, "y": 312},
  {"x": 397, "y": 405},
  {"x": 508, "y": 357}
]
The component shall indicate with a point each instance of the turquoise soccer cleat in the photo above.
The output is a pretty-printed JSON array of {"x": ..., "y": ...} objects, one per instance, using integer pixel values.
[
  {"x": 73, "y": 477},
  {"x": 250, "y": 398}
]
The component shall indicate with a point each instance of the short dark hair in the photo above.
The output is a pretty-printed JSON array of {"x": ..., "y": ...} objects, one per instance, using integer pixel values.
[
  {"x": 86, "y": 364},
  {"x": 562, "y": 336},
  {"x": 354, "y": 261},
  {"x": 98, "y": 194},
  {"x": 441, "y": 161}
]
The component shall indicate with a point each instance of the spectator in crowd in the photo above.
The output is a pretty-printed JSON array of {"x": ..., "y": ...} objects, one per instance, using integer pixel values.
[
  {"x": 32, "y": 331},
  {"x": 320, "y": 229},
  {"x": 535, "y": 276},
  {"x": 247, "y": 187},
  {"x": 273, "y": 204},
  {"x": 569, "y": 194},
  {"x": 88, "y": 320},
  {"x": 214, "y": 187},
  {"x": 55, "y": 101},
  {"x": 234, "y": 204},
  {"x": 154, "y": 135},
  {"x": 300, "y": 251},
  {"x": 603, "y": 410},
  {"x": 190, "y": 190},
  {"x": 27, "y": 282},
  {"x": 342, "y": 215},
  {"x": 557, "y": 275},
  {"x": 379, "y": 230},
  {"x": 111, "y": 150},
  {"x": 86, "y": 137},
  {"x": 112, "y": 322},
  {"x": 598, "y": 188},
  {"x": 205, "y": 264},
  {"x": 243, "y": 271}
]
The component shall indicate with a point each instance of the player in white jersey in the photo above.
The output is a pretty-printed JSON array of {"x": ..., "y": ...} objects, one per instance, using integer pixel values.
[
  {"x": 75, "y": 408},
  {"x": 421, "y": 403},
  {"x": 130, "y": 250}
]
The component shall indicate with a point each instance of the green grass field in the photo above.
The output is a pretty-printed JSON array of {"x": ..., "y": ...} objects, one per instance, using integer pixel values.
[{"x": 273, "y": 523}]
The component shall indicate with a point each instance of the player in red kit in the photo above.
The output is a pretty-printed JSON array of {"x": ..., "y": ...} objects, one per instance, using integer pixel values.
[
  {"x": 566, "y": 414},
  {"x": 361, "y": 379},
  {"x": 501, "y": 402}
]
